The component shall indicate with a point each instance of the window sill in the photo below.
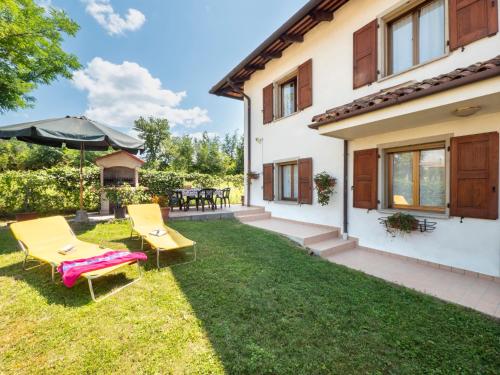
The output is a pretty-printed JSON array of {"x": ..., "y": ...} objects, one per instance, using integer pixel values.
[
  {"x": 287, "y": 203},
  {"x": 386, "y": 78},
  {"x": 285, "y": 117},
  {"x": 422, "y": 214}
]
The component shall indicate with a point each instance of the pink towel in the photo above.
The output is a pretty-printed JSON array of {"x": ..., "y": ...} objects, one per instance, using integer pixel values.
[{"x": 72, "y": 269}]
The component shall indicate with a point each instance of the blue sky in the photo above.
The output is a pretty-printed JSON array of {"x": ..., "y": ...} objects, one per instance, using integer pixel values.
[{"x": 157, "y": 56}]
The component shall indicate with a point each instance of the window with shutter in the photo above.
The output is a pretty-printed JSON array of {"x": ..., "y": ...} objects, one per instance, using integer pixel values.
[
  {"x": 471, "y": 20},
  {"x": 474, "y": 176},
  {"x": 365, "y": 178},
  {"x": 365, "y": 55},
  {"x": 268, "y": 177},
  {"x": 305, "y": 181},
  {"x": 305, "y": 85},
  {"x": 268, "y": 105}
]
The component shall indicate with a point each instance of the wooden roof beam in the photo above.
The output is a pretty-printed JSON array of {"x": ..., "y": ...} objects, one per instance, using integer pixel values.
[
  {"x": 255, "y": 67},
  {"x": 235, "y": 85},
  {"x": 322, "y": 15},
  {"x": 292, "y": 38},
  {"x": 272, "y": 55}
]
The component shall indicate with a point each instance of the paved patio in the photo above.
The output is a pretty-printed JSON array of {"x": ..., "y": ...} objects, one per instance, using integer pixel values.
[
  {"x": 191, "y": 214},
  {"x": 219, "y": 213}
]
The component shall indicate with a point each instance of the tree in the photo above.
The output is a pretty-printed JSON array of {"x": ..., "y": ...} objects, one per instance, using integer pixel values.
[
  {"x": 239, "y": 168},
  {"x": 232, "y": 149},
  {"x": 156, "y": 135},
  {"x": 208, "y": 158},
  {"x": 183, "y": 154},
  {"x": 13, "y": 154},
  {"x": 30, "y": 50}
]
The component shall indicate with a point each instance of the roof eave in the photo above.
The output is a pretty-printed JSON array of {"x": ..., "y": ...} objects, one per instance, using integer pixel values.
[
  {"x": 282, "y": 30},
  {"x": 476, "y": 77}
]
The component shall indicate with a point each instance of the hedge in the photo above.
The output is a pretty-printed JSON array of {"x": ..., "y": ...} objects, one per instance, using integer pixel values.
[{"x": 56, "y": 190}]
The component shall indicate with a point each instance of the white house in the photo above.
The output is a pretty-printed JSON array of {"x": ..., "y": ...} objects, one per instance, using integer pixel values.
[{"x": 400, "y": 102}]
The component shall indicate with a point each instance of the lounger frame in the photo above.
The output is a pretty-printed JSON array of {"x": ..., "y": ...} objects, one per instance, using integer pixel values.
[
  {"x": 158, "y": 249},
  {"x": 89, "y": 278}
]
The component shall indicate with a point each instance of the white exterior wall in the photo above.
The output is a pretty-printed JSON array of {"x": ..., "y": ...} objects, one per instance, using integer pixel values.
[{"x": 473, "y": 245}]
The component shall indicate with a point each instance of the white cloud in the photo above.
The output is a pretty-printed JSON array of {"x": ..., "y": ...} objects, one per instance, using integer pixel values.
[
  {"x": 199, "y": 135},
  {"x": 118, "y": 94},
  {"x": 46, "y": 4},
  {"x": 112, "y": 22}
]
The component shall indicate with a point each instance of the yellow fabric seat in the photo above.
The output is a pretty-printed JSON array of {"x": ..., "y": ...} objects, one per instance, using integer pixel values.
[
  {"x": 145, "y": 219},
  {"x": 42, "y": 239}
]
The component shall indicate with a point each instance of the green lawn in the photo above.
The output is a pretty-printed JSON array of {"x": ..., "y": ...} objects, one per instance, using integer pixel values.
[{"x": 254, "y": 303}]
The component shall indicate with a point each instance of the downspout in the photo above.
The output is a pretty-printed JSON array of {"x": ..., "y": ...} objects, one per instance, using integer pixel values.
[
  {"x": 346, "y": 189},
  {"x": 249, "y": 137}
]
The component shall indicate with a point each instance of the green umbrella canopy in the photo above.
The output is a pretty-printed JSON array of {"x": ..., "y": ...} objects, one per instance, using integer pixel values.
[
  {"x": 78, "y": 133},
  {"x": 74, "y": 132}
]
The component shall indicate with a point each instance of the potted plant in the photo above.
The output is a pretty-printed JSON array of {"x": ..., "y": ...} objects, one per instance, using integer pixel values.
[
  {"x": 121, "y": 196},
  {"x": 325, "y": 186},
  {"x": 401, "y": 223},
  {"x": 162, "y": 201}
]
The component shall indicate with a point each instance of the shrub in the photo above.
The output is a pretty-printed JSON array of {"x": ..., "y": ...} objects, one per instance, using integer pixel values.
[{"x": 56, "y": 190}]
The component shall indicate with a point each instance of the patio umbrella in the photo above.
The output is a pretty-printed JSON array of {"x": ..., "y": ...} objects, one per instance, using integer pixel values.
[{"x": 79, "y": 133}]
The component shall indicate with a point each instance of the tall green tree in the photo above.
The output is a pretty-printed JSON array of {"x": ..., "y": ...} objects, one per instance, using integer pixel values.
[
  {"x": 156, "y": 135},
  {"x": 239, "y": 156},
  {"x": 30, "y": 50},
  {"x": 208, "y": 157},
  {"x": 183, "y": 154}
]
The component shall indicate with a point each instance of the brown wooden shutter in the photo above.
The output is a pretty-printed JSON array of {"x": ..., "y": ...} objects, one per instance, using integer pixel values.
[
  {"x": 474, "y": 176},
  {"x": 365, "y": 55},
  {"x": 305, "y": 181},
  {"x": 268, "y": 96},
  {"x": 305, "y": 98},
  {"x": 268, "y": 176},
  {"x": 365, "y": 178},
  {"x": 471, "y": 20}
]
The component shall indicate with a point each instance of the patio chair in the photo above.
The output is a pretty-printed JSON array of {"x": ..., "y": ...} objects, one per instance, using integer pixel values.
[
  {"x": 147, "y": 222},
  {"x": 192, "y": 195},
  {"x": 175, "y": 199},
  {"x": 206, "y": 196},
  {"x": 223, "y": 197},
  {"x": 41, "y": 240}
]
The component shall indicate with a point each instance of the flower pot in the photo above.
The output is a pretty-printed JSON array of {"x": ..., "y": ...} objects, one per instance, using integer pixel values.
[
  {"x": 23, "y": 216},
  {"x": 120, "y": 212},
  {"x": 165, "y": 212}
]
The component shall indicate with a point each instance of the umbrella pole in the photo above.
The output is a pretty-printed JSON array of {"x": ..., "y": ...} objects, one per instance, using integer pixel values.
[
  {"x": 81, "y": 175},
  {"x": 81, "y": 215}
]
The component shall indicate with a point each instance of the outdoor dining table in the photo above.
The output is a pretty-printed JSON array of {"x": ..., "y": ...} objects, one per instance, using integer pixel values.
[{"x": 193, "y": 193}]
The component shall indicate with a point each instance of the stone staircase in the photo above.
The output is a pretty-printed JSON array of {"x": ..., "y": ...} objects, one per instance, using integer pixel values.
[{"x": 321, "y": 240}]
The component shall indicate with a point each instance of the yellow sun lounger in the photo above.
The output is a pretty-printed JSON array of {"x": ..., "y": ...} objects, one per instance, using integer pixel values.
[
  {"x": 43, "y": 239},
  {"x": 146, "y": 219}
]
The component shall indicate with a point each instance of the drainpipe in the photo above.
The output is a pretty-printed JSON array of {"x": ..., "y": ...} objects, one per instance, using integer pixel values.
[
  {"x": 346, "y": 189},
  {"x": 249, "y": 135}
]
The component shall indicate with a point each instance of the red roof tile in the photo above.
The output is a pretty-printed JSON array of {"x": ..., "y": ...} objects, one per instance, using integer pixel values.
[{"x": 399, "y": 94}]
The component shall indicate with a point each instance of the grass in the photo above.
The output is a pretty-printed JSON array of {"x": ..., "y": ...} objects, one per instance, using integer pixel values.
[{"x": 254, "y": 303}]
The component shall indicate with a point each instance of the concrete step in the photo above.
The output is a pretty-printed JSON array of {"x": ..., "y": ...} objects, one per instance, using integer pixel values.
[
  {"x": 304, "y": 234},
  {"x": 332, "y": 246},
  {"x": 249, "y": 211},
  {"x": 254, "y": 217}
]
